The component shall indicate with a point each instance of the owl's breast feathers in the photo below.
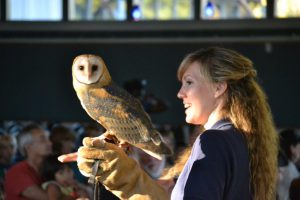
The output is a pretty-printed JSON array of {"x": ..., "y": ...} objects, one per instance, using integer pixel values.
[{"x": 120, "y": 113}]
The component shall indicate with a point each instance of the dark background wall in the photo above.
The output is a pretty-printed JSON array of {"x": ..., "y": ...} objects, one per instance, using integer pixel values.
[{"x": 36, "y": 80}]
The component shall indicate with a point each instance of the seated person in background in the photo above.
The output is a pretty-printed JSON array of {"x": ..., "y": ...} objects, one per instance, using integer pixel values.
[
  {"x": 295, "y": 189},
  {"x": 290, "y": 145},
  {"x": 169, "y": 138},
  {"x": 7, "y": 152},
  {"x": 59, "y": 180},
  {"x": 90, "y": 130},
  {"x": 64, "y": 141},
  {"x": 287, "y": 172},
  {"x": 23, "y": 180},
  {"x": 152, "y": 166},
  {"x": 287, "y": 156}
]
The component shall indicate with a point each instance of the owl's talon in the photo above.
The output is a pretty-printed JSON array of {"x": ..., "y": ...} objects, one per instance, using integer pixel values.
[
  {"x": 124, "y": 145},
  {"x": 109, "y": 138}
]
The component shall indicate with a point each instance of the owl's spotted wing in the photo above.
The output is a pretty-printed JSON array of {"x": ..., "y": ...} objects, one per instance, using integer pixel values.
[{"x": 120, "y": 113}]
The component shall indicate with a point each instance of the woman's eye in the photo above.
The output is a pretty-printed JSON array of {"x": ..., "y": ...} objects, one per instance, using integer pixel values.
[{"x": 189, "y": 82}]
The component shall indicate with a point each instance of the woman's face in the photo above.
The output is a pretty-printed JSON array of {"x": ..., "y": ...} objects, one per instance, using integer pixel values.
[{"x": 197, "y": 94}]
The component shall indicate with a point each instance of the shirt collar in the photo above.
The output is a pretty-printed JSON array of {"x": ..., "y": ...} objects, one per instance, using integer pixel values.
[{"x": 222, "y": 124}]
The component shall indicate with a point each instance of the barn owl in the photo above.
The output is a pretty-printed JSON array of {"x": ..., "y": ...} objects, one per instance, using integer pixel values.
[{"x": 121, "y": 114}]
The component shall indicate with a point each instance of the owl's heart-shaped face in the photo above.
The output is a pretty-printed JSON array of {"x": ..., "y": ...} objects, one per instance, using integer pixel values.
[{"x": 88, "y": 69}]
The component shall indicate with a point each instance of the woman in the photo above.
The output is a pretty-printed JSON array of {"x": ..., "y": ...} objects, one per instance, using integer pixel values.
[
  {"x": 219, "y": 89},
  {"x": 235, "y": 157}
]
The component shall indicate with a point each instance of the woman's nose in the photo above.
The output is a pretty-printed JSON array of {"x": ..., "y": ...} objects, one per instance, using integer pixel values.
[{"x": 180, "y": 93}]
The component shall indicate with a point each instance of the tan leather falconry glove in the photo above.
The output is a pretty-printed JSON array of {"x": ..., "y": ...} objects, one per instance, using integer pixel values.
[{"x": 117, "y": 172}]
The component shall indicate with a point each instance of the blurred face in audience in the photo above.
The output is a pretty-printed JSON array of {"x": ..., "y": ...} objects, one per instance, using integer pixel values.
[
  {"x": 65, "y": 176},
  {"x": 6, "y": 150},
  {"x": 151, "y": 165},
  {"x": 68, "y": 146},
  {"x": 295, "y": 149},
  {"x": 40, "y": 145}
]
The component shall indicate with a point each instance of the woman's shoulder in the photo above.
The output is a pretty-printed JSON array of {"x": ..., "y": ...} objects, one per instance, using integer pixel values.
[
  {"x": 222, "y": 140},
  {"x": 212, "y": 135},
  {"x": 220, "y": 131},
  {"x": 219, "y": 138}
]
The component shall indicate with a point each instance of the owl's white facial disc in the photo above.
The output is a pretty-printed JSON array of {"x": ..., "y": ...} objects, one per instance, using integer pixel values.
[{"x": 88, "y": 69}]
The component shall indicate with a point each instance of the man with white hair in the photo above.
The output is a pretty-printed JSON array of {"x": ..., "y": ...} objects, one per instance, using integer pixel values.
[{"x": 22, "y": 181}]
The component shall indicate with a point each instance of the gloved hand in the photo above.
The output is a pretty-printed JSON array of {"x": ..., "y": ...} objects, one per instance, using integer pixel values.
[{"x": 117, "y": 172}]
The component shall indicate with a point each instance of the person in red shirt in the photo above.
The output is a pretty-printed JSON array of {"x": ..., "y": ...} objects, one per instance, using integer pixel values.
[{"x": 23, "y": 180}]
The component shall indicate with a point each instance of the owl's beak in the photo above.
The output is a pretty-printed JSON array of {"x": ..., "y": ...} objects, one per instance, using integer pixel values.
[{"x": 89, "y": 75}]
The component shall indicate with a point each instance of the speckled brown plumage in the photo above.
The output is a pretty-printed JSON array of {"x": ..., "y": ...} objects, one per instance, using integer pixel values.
[{"x": 121, "y": 114}]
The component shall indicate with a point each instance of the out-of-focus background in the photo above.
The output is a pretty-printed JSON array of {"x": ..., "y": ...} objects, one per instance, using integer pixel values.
[{"x": 141, "y": 39}]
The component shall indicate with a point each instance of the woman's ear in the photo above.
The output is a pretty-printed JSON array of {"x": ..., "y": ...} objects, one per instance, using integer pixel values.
[{"x": 220, "y": 89}]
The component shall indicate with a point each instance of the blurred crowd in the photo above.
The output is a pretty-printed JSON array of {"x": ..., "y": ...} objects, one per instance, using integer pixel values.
[{"x": 29, "y": 165}]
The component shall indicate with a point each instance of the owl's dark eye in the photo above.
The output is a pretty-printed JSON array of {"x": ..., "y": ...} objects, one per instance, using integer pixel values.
[
  {"x": 94, "y": 68},
  {"x": 81, "y": 67}
]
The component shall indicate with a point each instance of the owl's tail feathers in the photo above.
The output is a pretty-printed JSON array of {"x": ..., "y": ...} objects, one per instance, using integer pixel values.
[
  {"x": 155, "y": 155},
  {"x": 157, "y": 151},
  {"x": 161, "y": 146},
  {"x": 156, "y": 138}
]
